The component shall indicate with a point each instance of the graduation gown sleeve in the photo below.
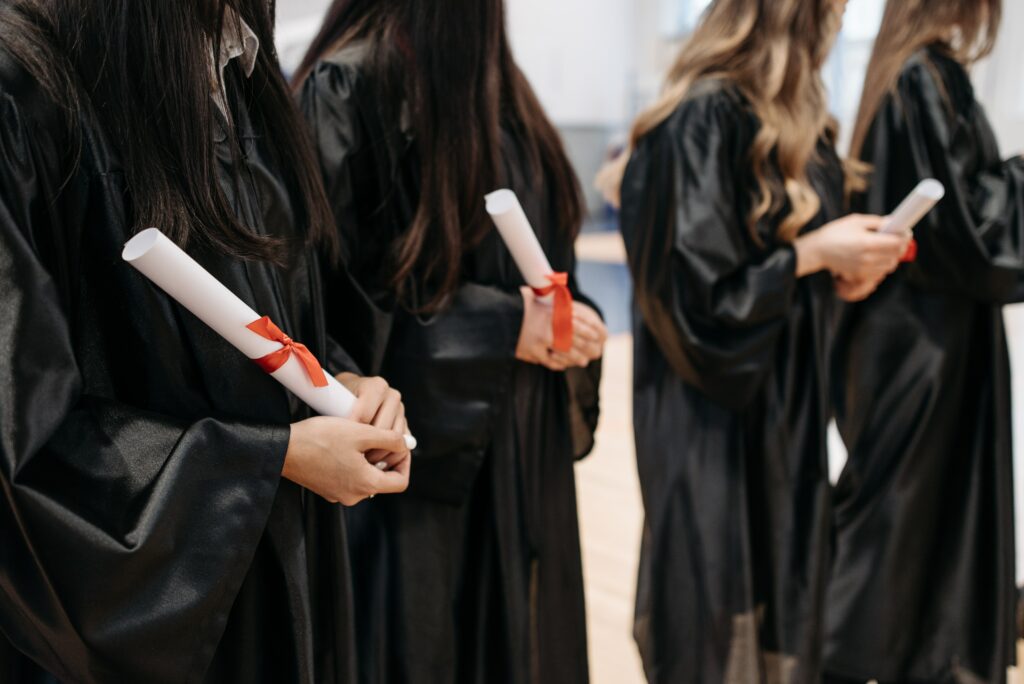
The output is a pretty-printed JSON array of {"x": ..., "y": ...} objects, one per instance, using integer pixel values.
[
  {"x": 932, "y": 127},
  {"x": 124, "y": 534},
  {"x": 715, "y": 303}
]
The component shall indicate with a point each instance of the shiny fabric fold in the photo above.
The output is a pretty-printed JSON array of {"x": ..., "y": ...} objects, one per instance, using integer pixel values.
[
  {"x": 145, "y": 531},
  {"x": 489, "y": 523},
  {"x": 923, "y": 585},
  {"x": 729, "y": 406}
]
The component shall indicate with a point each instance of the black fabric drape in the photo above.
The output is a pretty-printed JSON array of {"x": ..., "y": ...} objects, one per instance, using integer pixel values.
[
  {"x": 729, "y": 408},
  {"x": 923, "y": 587},
  {"x": 145, "y": 531},
  {"x": 480, "y": 577}
]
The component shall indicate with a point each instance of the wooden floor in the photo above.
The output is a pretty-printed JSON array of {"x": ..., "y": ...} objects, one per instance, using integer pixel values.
[{"x": 611, "y": 517}]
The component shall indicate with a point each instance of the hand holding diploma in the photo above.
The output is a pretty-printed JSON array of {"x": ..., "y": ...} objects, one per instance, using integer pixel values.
[
  {"x": 557, "y": 332},
  {"x": 287, "y": 361},
  {"x": 912, "y": 211},
  {"x": 518, "y": 235},
  {"x": 328, "y": 456},
  {"x": 854, "y": 250},
  {"x": 590, "y": 335},
  {"x": 379, "y": 405}
]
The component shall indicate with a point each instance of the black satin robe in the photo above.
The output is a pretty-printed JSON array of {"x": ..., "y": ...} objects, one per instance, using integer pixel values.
[
  {"x": 146, "y": 534},
  {"x": 730, "y": 406},
  {"x": 923, "y": 586},
  {"x": 474, "y": 576}
]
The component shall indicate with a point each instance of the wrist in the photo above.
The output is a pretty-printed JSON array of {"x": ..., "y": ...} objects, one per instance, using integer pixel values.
[
  {"x": 810, "y": 258},
  {"x": 292, "y": 456}
]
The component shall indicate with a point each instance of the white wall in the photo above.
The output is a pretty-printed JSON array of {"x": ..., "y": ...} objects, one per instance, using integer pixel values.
[
  {"x": 297, "y": 22},
  {"x": 1000, "y": 82},
  {"x": 579, "y": 55}
]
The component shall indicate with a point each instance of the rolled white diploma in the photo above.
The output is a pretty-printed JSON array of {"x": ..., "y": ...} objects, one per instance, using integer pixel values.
[
  {"x": 508, "y": 215},
  {"x": 914, "y": 208},
  {"x": 192, "y": 286}
]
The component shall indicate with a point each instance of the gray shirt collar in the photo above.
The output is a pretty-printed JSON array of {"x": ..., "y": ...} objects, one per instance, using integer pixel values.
[{"x": 237, "y": 41}]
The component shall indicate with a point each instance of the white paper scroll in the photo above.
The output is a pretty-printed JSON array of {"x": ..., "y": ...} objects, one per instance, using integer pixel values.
[
  {"x": 914, "y": 208},
  {"x": 192, "y": 286},
  {"x": 515, "y": 229}
]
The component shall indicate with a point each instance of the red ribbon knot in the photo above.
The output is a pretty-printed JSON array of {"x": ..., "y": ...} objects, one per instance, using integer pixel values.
[
  {"x": 561, "y": 318},
  {"x": 272, "y": 362}
]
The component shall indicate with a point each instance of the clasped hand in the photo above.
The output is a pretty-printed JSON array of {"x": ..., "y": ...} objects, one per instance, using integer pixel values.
[
  {"x": 536, "y": 337},
  {"x": 348, "y": 460},
  {"x": 851, "y": 248}
]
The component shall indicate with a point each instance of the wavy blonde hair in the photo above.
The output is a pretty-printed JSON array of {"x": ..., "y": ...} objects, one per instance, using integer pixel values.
[
  {"x": 966, "y": 30},
  {"x": 773, "y": 51}
]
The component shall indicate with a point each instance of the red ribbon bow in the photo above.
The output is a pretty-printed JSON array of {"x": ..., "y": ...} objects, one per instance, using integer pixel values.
[
  {"x": 270, "y": 363},
  {"x": 561, "y": 320}
]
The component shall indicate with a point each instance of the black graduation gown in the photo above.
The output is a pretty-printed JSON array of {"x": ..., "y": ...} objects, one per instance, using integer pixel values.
[
  {"x": 923, "y": 586},
  {"x": 477, "y": 573},
  {"x": 729, "y": 407},
  {"x": 145, "y": 532}
]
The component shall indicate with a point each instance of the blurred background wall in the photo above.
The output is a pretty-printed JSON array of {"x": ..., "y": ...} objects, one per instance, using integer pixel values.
[{"x": 594, "y": 63}]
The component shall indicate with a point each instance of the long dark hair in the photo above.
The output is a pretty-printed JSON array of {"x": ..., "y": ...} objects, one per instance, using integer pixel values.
[
  {"x": 964, "y": 29},
  {"x": 142, "y": 69},
  {"x": 449, "y": 63}
]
